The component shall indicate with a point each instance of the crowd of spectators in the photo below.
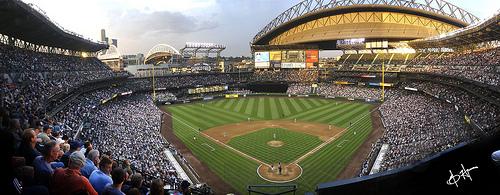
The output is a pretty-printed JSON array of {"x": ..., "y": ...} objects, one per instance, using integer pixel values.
[
  {"x": 124, "y": 147},
  {"x": 165, "y": 96},
  {"x": 349, "y": 91},
  {"x": 129, "y": 127},
  {"x": 417, "y": 126},
  {"x": 28, "y": 79},
  {"x": 336, "y": 90},
  {"x": 482, "y": 66},
  {"x": 49, "y": 157},
  {"x": 121, "y": 135},
  {"x": 286, "y": 75},
  {"x": 485, "y": 114},
  {"x": 299, "y": 89},
  {"x": 43, "y": 161},
  {"x": 181, "y": 81},
  {"x": 73, "y": 115},
  {"x": 206, "y": 79}
]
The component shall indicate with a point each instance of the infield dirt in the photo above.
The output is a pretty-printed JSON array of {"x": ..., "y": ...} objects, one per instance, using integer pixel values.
[{"x": 225, "y": 133}]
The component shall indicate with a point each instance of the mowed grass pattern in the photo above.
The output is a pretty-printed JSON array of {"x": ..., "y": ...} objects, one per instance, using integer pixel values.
[
  {"x": 255, "y": 144},
  {"x": 238, "y": 171}
]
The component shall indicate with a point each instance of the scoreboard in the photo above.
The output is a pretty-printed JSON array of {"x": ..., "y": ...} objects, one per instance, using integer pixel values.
[{"x": 286, "y": 59}]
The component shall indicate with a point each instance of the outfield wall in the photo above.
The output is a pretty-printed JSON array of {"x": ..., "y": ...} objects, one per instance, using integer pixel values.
[{"x": 268, "y": 87}]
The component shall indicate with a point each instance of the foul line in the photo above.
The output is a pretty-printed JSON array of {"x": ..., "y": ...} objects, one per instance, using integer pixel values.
[
  {"x": 259, "y": 161},
  {"x": 219, "y": 142},
  {"x": 329, "y": 140}
]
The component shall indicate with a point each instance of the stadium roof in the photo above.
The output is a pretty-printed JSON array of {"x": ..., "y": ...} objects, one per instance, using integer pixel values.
[
  {"x": 311, "y": 10},
  {"x": 485, "y": 31},
  {"x": 283, "y": 47},
  {"x": 24, "y": 22}
]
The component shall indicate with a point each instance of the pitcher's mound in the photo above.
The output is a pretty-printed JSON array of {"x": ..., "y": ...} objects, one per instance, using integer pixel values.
[
  {"x": 275, "y": 143},
  {"x": 288, "y": 173}
]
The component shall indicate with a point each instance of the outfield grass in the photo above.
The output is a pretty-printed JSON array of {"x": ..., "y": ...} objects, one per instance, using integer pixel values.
[
  {"x": 322, "y": 166},
  {"x": 255, "y": 144}
]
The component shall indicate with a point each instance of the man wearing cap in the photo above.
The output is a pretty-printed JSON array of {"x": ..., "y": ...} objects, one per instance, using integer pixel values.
[
  {"x": 47, "y": 130},
  {"x": 70, "y": 180},
  {"x": 74, "y": 146}
]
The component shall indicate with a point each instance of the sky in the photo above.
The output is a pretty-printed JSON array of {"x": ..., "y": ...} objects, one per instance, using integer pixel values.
[{"x": 140, "y": 24}]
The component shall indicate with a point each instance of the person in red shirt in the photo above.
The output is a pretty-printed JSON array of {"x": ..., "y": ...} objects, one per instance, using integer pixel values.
[{"x": 70, "y": 180}]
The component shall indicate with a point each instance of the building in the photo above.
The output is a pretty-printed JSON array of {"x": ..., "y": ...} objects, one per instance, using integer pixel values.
[
  {"x": 107, "y": 40},
  {"x": 114, "y": 42}
]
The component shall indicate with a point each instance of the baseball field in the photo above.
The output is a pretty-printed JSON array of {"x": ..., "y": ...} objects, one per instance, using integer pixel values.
[{"x": 245, "y": 140}]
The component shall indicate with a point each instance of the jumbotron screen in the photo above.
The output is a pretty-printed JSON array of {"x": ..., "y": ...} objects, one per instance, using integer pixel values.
[
  {"x": 293, "y": 59},
  {"x": 261, "y": 59}
]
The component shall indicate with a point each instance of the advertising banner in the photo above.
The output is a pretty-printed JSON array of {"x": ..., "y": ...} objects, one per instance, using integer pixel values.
[
  {"x": 275, "y": 64},
  {"x": 342, "y": 83},
  {"x": 309, "y": 65},
  {"x": 293, "y": 65},
  {"x": 293, "y": 56},
  {"x": 262, "y": 64},
  {"x": 275, "y": 55},
  {"x": 275, "y": 59},
  {"x": 380, "y": 84},
  {"x": 231, "y": 96},
  {"x": 312, "y": 56}
]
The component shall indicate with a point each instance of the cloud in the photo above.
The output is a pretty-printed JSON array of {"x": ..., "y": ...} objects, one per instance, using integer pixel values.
[
  {"x": 139, "y": 24},
  {"x": 165, "y": 5}
]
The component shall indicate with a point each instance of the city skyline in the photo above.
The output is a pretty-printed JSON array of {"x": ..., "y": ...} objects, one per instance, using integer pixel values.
[{"x": 140, "y": 25}]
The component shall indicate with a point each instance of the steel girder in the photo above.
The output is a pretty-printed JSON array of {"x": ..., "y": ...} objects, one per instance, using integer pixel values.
[{"x": 310, "y": 6}]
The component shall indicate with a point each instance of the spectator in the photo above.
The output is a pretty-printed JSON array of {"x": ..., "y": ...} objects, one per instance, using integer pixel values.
[
  {"x": 69, "y": 180},
  {"x": 27, "y": 148},
  {"x": 87, "y": 147},
  {"x": 136, "y": 181},
  {"x": 134, "y": 191},
  {"x": 126, "y": 167},
  {"x": 43, "y": 170},
  {"x": 65, "y": 147},
  {"x": 100, "y": 178},
  {"x": 119, "y": 176},
  {"x": 47, "y": 130},
  {"x": 27, "y": 179},
  {"x": 90, "y": 163},
  {"x": 74, "y": 145},
  {"x": 156, "y": 187}
]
